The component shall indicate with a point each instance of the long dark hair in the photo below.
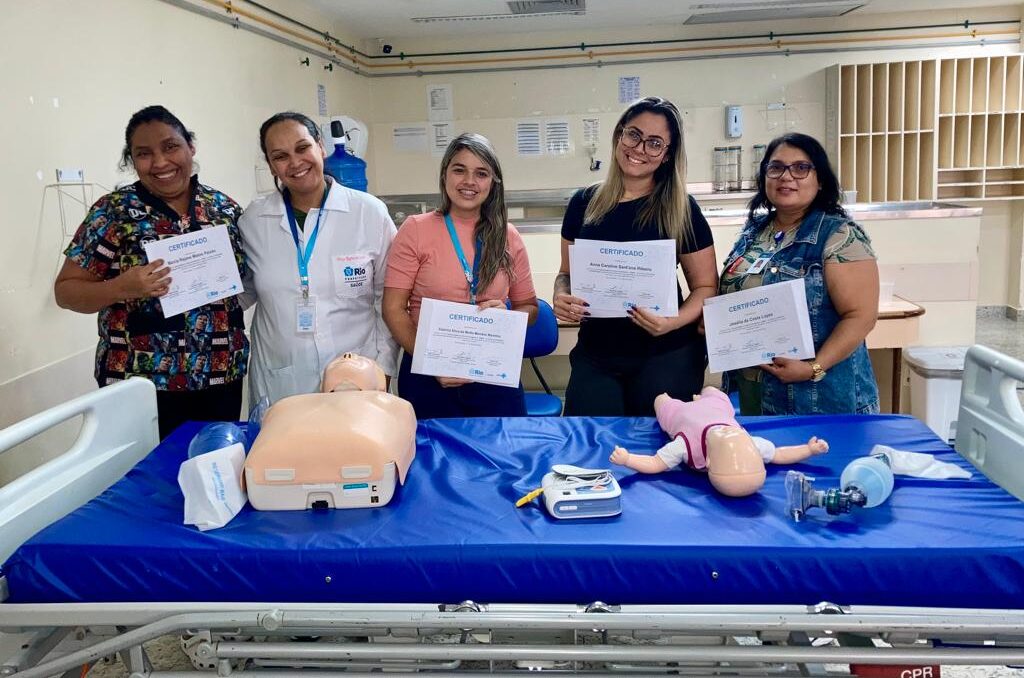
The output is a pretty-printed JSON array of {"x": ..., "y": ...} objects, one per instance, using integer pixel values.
[
  {"x": 492, "y": 228},
  {"x": 291, "y": 116},
  {"x": 668, "y": 204},
  {"x": 151, "y": 114},
  {"x": 828, "y": 198}
]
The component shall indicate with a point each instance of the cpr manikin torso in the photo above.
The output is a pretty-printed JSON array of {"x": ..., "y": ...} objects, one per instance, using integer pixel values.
[
  {"x": 351, "y": 372},
  {"x": 343, "y": 448},
  {"x": 707, "y": 437}
]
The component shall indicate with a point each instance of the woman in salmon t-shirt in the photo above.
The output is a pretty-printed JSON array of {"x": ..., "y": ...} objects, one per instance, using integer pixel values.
[{"x": 465, "y": 251}]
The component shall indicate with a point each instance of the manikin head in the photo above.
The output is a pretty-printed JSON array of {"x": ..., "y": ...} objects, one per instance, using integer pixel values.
[
  {"x": 351, "y": 372},
  {"x": 735, "y": 467}
]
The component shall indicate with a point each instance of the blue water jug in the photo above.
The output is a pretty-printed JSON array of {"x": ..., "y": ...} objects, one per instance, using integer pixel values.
[
  {"x": 349, "y": 170},
  {"x": 872, "y": 476},
  {"x": 215, "y": 436}
]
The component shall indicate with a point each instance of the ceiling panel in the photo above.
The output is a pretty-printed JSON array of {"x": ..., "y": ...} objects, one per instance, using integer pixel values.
[{"x": 366, "y": 19}]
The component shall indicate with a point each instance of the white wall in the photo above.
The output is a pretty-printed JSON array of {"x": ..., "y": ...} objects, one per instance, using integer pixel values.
[
  {"x": 1015, "y": 254},
  {"x": 490, "y": 103},
  {"x": 71, "y": 74},
  {"x": 997, "y": 229}
]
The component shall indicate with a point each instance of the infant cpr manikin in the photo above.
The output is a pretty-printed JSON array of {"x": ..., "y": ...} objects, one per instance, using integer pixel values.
[
  {"x": 706, "y": 437},
  {"x": 343, "y": 448}
]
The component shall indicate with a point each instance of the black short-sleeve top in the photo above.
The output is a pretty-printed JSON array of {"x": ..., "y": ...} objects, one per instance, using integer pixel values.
[{"x": 622, "y": 224}]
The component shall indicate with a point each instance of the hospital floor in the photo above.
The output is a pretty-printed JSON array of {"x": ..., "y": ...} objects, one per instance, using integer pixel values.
[
  {"x": 1002, "y": 334},
  {"x": 999, "y": 333}
]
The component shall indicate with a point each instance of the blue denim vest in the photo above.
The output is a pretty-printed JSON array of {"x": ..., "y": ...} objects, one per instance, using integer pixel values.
[{"x": 849, "y": 386}]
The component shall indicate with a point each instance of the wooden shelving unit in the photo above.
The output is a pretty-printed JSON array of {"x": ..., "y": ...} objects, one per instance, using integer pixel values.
[
  {"x": 885, "y": 119},
  {"x": 979, "y": 120},
  {"x": 948, "y": 129}
]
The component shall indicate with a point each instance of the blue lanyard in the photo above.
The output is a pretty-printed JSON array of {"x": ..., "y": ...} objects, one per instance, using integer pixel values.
[
  {"x": 303, "y": 257},
  {"x": 472, "y": 276}
]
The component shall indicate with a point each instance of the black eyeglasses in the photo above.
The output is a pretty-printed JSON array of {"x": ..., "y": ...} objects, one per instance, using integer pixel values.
[
  {"x": 653, "y": 146},
  {"x": 797, "y": 170}
]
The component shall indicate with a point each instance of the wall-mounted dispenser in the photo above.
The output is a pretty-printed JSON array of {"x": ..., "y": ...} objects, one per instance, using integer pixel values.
[{"x": 733, "y": 122}]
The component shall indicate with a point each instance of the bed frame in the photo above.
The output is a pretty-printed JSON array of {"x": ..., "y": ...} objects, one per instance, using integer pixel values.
[{"x": 592, "y": 638}]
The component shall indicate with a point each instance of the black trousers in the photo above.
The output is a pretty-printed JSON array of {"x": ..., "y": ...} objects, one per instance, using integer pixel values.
[
  {"x": 626, "y": 385},
  {"x": 430, "y": 400},
  {"x": 215, "y": 403}
]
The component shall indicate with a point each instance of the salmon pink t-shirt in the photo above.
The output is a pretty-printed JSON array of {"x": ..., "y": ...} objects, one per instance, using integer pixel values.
[{"x": 422, "y": 259}]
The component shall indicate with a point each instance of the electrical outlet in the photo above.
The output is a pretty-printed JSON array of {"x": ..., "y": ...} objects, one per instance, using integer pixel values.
[
  {"x": 70, "y": 175},
  {"x": 777, "y": 106}
]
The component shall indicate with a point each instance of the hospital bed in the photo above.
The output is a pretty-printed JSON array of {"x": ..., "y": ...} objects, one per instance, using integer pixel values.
[{"x": 451, "y": 577}]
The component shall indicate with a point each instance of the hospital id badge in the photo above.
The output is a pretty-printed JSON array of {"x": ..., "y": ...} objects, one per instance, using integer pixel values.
[
  {"x": 305, "y": 315},
  {"x": 759, "y": 264}
]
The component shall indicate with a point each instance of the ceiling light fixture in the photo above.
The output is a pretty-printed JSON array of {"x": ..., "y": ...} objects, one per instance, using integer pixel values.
[
  {"x": 710, "y": 13},
  {"x": 518, "y": 9},
  {"x": 752, "y": 4}
]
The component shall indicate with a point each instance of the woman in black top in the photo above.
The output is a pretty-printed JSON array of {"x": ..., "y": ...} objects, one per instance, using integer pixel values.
[{"x": 619, "y": 365}]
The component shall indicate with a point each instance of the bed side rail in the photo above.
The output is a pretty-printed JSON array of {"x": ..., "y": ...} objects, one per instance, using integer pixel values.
[
  {"x": 990, "y": 425},
  {"x": 119, "y": 428}
]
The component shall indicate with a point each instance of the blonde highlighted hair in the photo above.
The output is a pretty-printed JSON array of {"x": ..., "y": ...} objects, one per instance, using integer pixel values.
[{"x": 668, "y": 205}]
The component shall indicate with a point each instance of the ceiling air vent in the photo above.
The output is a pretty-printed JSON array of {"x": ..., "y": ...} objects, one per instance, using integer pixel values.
[
  {"x": 548, "y": 6},
  {"x": 519, "y": 9},
  {"x": 727, "y": 12}
]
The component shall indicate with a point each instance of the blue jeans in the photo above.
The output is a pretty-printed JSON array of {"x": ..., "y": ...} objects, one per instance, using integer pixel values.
[{"x": 430, "y": 400}]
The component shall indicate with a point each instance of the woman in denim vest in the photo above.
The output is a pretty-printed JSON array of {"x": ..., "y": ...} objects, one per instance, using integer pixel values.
[{"x": 806, "y": 234}]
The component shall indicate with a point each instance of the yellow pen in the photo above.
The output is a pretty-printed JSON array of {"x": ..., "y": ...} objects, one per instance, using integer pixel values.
[{"x": 528, "y": 497}]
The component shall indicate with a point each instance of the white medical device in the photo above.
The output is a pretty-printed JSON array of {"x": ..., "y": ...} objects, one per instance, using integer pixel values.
[{"x": 573, "y": 492}]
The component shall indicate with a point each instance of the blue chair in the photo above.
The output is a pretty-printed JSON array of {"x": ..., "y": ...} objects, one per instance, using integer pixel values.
[
  {"x": 541, "y": 339},
  {"x": 734, "y": 398}
]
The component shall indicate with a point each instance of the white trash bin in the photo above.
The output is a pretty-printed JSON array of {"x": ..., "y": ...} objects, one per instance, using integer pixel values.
[{"x": 935, "y": 376}]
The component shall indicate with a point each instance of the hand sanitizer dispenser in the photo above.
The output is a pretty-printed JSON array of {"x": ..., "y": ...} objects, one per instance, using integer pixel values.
[{"x": 733, "y": 122}]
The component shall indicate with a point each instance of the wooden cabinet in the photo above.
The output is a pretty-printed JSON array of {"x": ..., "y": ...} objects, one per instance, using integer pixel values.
[
  {"x": 946, "y": 129},
  {"x": 882, "y": 129}
]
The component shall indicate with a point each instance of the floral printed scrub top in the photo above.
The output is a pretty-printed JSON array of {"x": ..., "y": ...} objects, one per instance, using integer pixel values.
[
  {"x": 848, "y": 243},
  {"x": 186, "y": 352}
]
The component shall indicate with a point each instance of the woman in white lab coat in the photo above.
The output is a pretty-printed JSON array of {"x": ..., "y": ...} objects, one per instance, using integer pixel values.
[{"x": 316, "y": 254}]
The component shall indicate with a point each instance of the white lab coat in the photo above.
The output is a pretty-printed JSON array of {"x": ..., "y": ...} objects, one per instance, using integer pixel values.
[{"x": 355, "y": 233}]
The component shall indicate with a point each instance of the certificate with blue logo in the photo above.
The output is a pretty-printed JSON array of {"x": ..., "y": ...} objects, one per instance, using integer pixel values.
[
  {"x": 750, "y": 327},
  {"x": 203, "y": 268},
  {"x": 615, "y": 276},
  {"x": 460, "y": 340}
]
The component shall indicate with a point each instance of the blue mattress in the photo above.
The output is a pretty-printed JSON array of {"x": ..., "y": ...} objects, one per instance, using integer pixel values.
[{"x": 452, "y": 532}]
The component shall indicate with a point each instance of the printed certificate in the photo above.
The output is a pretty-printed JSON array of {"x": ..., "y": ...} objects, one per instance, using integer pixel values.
[
  {"x": 459, "y": 340},
  {"x": 203, "y": 268},
  {"x": 751, "y": 327},
  {"x": 613, "y": 276}
]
